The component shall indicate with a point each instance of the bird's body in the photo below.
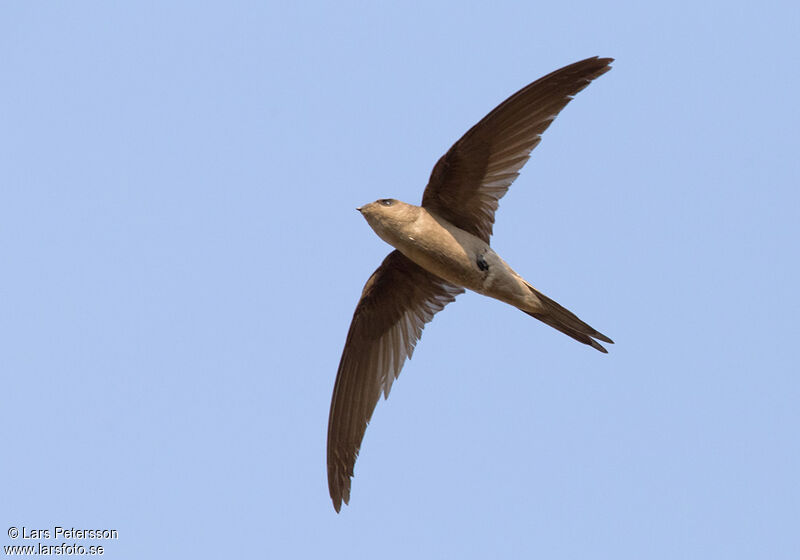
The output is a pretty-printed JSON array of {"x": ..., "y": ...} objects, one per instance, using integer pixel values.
[
  {"x": 448, "y": 251},
  {"x": 441, "y": 249}
]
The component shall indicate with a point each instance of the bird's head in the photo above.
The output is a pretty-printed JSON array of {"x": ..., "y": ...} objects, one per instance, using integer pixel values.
[{"x": 389, "y": 217}]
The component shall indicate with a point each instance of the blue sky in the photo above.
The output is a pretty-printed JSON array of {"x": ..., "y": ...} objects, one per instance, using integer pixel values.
[{"x": 181, "y": 258}]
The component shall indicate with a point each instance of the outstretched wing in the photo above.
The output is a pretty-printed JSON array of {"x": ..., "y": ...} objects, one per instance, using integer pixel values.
[
  {"x": 398, "y": 300},
  {"x": 469, "y": 180}
]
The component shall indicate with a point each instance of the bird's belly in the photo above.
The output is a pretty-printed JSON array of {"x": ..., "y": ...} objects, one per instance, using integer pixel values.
[
  {"x": 458, "y": 257},
  {"x": 447, "y": 252},
  {"x": 450, "y": 261}
]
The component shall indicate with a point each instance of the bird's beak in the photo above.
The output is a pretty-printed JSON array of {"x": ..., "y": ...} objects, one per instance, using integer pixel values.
[{"x": 359, "y": 208}]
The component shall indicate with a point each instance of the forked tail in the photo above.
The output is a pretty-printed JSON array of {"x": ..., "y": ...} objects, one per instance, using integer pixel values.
[{"x": 567, "y": 322}]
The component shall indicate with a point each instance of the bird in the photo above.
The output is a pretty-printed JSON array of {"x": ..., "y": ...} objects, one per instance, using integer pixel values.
[{"x": 441, "y": 248}]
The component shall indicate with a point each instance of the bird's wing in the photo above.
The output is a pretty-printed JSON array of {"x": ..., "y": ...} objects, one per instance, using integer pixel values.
[
  {"x": 469, "y": 180},
  {"x": 398, "y": 300}
]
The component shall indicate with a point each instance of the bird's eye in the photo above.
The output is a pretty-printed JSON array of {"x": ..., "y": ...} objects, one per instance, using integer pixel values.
[{"x": 386, "y": 201}]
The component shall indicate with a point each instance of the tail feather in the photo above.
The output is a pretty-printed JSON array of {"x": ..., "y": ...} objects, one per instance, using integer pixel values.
[{"x": 567, "y": 322}]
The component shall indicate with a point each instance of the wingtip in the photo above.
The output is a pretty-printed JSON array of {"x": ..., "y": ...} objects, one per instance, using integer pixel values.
[
  {"x": 596, "y": 58},
  {"x": 588, "y": 69},
  {"x": 603, "y": 66},
  {"x": 601, "y": 59},
  {"x": 340, "y": 495},
  {"x": 337, "y": 502}
]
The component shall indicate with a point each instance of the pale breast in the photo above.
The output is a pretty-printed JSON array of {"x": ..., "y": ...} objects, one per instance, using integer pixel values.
[{"x": 447, "y": 251}]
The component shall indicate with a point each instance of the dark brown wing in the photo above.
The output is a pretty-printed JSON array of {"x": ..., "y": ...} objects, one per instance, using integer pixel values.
[
  {"x": 469, "y": 180},
  {"x": 398, "y": 300}
]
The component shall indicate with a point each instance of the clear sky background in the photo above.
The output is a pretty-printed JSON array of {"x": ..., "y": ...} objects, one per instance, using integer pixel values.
[{"x": 180, "y": 259}]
